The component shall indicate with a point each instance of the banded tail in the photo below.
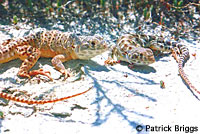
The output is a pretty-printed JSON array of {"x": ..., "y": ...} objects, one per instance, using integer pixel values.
[
  {"x": 183, "y": 57},
  {"x": 22, "y": 100}
]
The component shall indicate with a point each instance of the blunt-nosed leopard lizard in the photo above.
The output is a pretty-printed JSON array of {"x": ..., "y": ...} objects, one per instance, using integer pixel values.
[
  {"x": 60, "y": 46},
  {"x": 54, "y": 44},
  {"x": 137, "y": 49},
  {"x": 129, "y": 50}
]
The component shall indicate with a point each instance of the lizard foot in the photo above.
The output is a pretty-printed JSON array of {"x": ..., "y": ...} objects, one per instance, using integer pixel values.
[
  {"x": 111, "y": 62},
  {"x": 174, "y": 54},
  {"x": 41, "y": 72},
  {"x": 24, "y": 74},
  {"x": 131, "y": 66},
  {"x": 67, "y": 73}
]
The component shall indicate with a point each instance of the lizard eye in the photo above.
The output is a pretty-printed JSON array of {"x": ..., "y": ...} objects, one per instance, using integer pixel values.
[
  {"x": 136, "y": 56},
  {"x": 93, "y": 43}
]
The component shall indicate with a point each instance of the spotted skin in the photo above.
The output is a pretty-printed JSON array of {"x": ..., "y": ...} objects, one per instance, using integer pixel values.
[
  {"x": 59, "y": 46},
  {"x": 138, "y": 49},
  {"x": 128, "y": 49},
  {"x": 180, "y": 53}
]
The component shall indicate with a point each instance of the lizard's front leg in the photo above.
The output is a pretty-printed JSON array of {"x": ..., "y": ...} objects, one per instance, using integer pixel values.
[
  {"x": 175, "y": 53},
  {"x": 29, "y": 55},
  {"x": 112, "y": 52},
  {"x": 57, "y": 62}
]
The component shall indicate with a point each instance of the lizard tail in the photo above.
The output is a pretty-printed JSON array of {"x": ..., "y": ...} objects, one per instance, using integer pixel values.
[
  {"x": 22, "y": 100},
  {"x": 183, "y": 57}
]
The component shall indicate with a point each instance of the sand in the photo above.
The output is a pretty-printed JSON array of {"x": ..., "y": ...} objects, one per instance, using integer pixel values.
[{"x": 120, "y": 100}]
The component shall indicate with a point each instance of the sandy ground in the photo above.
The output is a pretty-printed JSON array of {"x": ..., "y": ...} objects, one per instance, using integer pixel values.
[{"x": 120, "y": 100}]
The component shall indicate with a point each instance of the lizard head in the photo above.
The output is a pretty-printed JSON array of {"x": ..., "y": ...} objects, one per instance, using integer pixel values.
[
  {"x": 91, "y": 46},
  {"x": 141, "y": 56}
]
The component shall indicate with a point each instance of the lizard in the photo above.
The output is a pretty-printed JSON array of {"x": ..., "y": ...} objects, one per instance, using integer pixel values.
[
  {"x": 60, "y": 46},
  {"x": 138, "y": 49},
  {"x": 129, "y": 50}
]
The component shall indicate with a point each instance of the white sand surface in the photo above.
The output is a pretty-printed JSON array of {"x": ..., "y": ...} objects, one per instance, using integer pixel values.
[{"x": 121, "y": 98}]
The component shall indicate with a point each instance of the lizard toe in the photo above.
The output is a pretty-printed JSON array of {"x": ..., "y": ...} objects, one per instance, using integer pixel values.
[{"x": 41, "y": 72}]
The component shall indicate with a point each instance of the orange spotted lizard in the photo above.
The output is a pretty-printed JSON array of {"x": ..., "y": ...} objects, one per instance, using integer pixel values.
[
  {"x": 60, "y": 46},
  {"x": 54, "y": 44},
  {"x": 137, "y": 49}
]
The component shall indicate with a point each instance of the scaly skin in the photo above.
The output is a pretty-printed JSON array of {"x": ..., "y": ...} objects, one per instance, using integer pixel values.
[
  {"x": 129, "y": 50},
  {"x": 183, "y": 56},
  {"x": 23, "y": 100},
  {"x": 136, "y": 49},
  {"x": 59, "y": 46},
  {"x": 54, "y": 44}
]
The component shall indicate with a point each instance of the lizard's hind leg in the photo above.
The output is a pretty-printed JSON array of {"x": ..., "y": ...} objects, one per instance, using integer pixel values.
[{"x": 29, "y": 56}]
